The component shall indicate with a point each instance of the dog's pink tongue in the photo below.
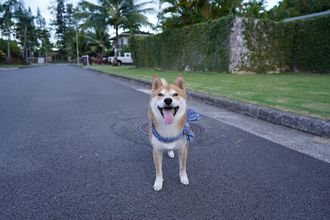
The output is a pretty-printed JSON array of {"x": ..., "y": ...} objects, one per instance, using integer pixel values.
[{"x": 168, "y": 116}]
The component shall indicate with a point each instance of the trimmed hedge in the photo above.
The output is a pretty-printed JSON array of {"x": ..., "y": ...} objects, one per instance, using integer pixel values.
[
  {"x": 311, "y": 50},
  {"x": 202, "y": 46},
  {"x": 268, "y": 46}
]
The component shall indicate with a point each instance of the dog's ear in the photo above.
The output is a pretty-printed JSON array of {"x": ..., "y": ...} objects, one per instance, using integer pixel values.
[
  {"x": 156, "y": 82},
  {"x": 179, "y": 82}
]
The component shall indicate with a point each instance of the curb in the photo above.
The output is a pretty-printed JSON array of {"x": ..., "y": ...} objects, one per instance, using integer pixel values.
[
  {"x": 20, "y": 67},
  {"x": 307, "y": 124}
]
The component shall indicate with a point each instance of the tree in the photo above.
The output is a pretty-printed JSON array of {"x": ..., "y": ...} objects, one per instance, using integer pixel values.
[
  {"x": 7, "y": 23},
  {"x": 254, "y": 9},
  {"x": 181, "y": 13},
  {"x": 15, "y": 49},
  {"x": 185, "y": 12},
  {"x": 70, "y": 33},
  {"x": 25, "y": 30},
  {"x": 292, "y": 8},
  {"x": 43, "y": 35},
  {"x": 93, "y": 28},
  {"x": 59, "y": 12},
  {"x": 1, "y": 18},
  {"x": 115, "y": 13}
]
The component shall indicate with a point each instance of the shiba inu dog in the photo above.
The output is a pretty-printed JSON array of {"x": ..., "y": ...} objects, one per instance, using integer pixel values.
[{"x": 168, "y": 129}]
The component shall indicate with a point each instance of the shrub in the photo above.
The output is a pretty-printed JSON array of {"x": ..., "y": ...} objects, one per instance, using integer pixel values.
[
  {"x": 2, "y": 56},
  {"x": 202, "y": 46},
  {"x": 311, "y": 51},
  {"x": 263, "y": 46}
]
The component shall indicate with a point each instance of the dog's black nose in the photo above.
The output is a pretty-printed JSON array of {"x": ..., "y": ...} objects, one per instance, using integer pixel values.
[{"x": 168, "y": 101}]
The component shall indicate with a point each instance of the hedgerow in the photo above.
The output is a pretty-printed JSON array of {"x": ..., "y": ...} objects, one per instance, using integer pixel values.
[
  {"x": 202, "y": 46},
  {"x": 311, "y": 51},
  {"x": 302, "y": 45}
]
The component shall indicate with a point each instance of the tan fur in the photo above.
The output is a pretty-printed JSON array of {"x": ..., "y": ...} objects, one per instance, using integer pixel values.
[{"x": 157, "y": 88}]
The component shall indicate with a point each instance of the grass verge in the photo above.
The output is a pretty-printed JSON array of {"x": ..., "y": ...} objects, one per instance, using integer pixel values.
[
  {"x": 20, "y": 65},
  {"x": 307, "y": 94},
  {"x": 11, "y": 65}
]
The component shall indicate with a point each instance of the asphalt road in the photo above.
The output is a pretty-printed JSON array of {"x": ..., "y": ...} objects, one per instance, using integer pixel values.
[{"x": 70, "y": 148}]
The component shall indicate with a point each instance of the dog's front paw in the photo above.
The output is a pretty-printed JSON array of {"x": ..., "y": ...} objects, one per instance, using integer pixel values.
[
  {"x": 158, "y": 185},
  {"x": 184, "y": 179}
]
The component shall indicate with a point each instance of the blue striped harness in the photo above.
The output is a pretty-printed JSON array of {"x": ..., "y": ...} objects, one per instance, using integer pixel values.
[{"x": 192, "y": 115}]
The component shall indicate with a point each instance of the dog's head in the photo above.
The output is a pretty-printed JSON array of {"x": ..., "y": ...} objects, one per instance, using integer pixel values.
[{"x": 168, "y": 102}]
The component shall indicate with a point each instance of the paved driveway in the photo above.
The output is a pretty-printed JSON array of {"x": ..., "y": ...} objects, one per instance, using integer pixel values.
[{"x": 70, "y": 148}]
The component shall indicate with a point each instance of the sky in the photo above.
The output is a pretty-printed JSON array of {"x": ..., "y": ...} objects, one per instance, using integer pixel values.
[{"x": 45, "y": 4}]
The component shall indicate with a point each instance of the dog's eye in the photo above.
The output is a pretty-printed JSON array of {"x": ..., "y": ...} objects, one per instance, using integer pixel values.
[
  {"x": 160, "y": 94},
  {"x": 175, "y": 94}
]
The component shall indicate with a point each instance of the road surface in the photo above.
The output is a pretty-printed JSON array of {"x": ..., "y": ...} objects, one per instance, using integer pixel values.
[{"x": 70, "y": 148}]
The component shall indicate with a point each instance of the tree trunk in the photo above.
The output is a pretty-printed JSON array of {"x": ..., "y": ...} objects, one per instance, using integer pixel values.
[
  {"x": 115, "y": 62},
  {"x": 25, "y": 50},
  {"x": 8, "y": 49},
  {"x": 77, "y": 47}
]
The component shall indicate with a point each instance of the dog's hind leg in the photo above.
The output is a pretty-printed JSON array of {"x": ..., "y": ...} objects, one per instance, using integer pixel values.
[
  {"x": 158, "y": 157},
  {"x": 183, "y": 154},
  {"x": 170, "y": 154}
]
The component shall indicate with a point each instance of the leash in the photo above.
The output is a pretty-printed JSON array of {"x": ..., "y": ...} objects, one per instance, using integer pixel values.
[{"x": 192, "y": 115}]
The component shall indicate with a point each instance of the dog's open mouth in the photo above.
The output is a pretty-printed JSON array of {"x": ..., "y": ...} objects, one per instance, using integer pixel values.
[{"x": 168, "y": 113}]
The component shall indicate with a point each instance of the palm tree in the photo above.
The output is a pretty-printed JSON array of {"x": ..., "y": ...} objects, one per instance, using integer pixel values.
[
  {"x": 254, "y": 9},
  {"x": 118, "y": 14}
]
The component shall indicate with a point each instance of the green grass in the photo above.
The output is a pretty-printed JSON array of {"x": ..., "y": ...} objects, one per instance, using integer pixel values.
[
  {"x": 303, "y": 93},
  {"x": 10, "y": 65},
  {"x": 19, "y": 65}
]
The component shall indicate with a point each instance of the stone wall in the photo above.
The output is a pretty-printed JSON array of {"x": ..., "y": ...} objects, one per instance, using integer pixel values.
[{"x": 260, "y": 46}]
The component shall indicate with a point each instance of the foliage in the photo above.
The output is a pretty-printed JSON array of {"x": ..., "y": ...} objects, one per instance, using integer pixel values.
[
  {"x": 254, "y": 9},
  {"x": 7, "y": 21},
  {"x": 292, "y": 8},
  {"x": 124, "y": 14},
  {"x": 59, "y": 12},
  {"x": 181, "y": 13},
  {"x": 25, "y": 30},
  {"x": 42, "y": 34},
  {"x": 14, "y": 48},
  {"x": 64, "y": 27},
  {"x": 311, "y": 45},
  {"x": 2, "y": 56},
  {"x": 270, "y": 45},
  {"x": 202, "y": 46},
  {"x": 93, "y": 37},
  {"x": 302, "y": 45}
]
